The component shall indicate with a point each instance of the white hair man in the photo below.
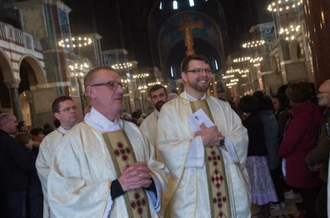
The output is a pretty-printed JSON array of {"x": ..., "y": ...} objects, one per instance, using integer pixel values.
[
  {"x": 103, "y": 167},
  {"x": 149, "y": 126},
  {"x": 203, "y": 181},
  {"x": 64, "y": 111}
]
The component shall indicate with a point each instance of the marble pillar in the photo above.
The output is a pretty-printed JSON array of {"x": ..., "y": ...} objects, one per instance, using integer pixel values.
[
  {"x": 14, "y": 98},
  {"x": 317, "y": 16}
]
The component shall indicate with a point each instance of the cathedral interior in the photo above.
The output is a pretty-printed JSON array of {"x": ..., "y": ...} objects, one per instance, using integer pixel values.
[{"x": 46, "y": 47}]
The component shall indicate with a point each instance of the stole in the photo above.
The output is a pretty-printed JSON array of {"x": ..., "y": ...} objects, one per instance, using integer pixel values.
[
  {"x": 215, "y": 171},
  {"x": 122, "y": 155}
]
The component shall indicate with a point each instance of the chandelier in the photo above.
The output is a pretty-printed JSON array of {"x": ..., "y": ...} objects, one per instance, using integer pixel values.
[
  {"x": 253, "y": 44},
  {"x": 122, "y": 66},
  {"x": 140, "y": 76},
  {"x": 282, "y": 5},
  {"x": 75, "y": 42},
  {"x": 241, "y": 59}
]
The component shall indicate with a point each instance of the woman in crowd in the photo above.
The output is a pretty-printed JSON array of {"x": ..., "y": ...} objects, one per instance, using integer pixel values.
[
  {"x": 273, "y": 158},
  {"x": 262, "y": 187},
  {"x": 282, "y": 113},
  {"x": 300, "y": 138}
]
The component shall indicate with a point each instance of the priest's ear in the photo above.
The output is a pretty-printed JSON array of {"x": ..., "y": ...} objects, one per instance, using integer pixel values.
[
  {"x": 90, "y": 92},
  {"x": 184, "y": 76}
]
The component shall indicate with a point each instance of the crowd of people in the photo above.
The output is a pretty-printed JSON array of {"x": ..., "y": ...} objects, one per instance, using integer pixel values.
[
  {"x": 287, "y": 136},
  {"x": 191, "y": 155}
]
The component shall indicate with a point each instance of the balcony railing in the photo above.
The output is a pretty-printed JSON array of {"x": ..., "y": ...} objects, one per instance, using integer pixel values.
[{"x": 7, "y": 31}]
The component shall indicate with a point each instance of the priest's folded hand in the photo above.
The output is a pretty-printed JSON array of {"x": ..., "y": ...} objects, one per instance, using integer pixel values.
[
  {"x": 135, "y": 176},
  {"x": 210, "y": 136}
]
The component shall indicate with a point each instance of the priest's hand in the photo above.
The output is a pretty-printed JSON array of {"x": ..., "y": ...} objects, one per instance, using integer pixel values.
[
  {"x": 135, "y": 176},
  {"x": 210, "y": 136}
]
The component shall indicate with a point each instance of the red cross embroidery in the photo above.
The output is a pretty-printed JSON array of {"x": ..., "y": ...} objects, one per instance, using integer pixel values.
[
  {"x": 218, "y": 201},
  {"x": 214, "y": 158},
  {"x": 122, "y": 151},
  {"x": 217, "y": 178},
  {"x": 139, "y": 203}
]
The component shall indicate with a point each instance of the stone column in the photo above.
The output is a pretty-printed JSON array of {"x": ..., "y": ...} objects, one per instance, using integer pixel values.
[
  {"x": 317, "y": 16},
  {"x": 14, "y": 97}
]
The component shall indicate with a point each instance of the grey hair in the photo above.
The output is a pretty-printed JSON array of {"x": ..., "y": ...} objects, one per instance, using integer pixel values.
[{"x": 4, "y": 117}]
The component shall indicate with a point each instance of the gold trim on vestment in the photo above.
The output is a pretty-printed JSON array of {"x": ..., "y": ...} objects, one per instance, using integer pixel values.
[
  {"x": 184, "y": 163},
  {"x": 213, "y": 155},
  {"x": 106, "y": 199},
  {"x": 136, "y": 201}
]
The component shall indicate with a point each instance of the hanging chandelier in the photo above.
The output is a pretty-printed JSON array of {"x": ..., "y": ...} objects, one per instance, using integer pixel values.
[
  {"x": 241, "y": 59},
  {"x": 75, "y": 42},
  {"x": 140, "y": 76},
  {"x": 122, "y": 66},
  {"x": 283, "y": 5},
  {"x": 253, "y": 44}
]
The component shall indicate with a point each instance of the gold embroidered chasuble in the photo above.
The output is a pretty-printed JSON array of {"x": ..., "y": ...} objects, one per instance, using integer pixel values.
[
  {"x": 122, "y": 155},
  {"x": 188, "y": 193},
  {"x": 215, "y": 171}
]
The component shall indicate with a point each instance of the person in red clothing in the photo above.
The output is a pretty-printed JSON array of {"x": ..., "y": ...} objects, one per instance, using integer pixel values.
[{"x": 300, "y": 138}]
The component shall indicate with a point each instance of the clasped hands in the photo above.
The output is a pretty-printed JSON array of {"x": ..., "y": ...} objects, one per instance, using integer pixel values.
[
  {"x": 210, "y": 136},
  {"x": 135, "y": 176}
]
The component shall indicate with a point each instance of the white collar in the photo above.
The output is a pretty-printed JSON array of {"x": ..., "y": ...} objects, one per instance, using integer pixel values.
[
  {"x": 156, "y": 112},
  {"x": 96, "y": 120},
  {"x": 191, "y": 98},
  {"x": 62, "y": 130}
]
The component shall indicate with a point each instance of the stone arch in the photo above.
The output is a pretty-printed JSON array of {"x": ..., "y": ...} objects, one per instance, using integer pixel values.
[
  {"x": 6, "y": 67},
  {"x": 36, "y": 66},
  {"x": 273, "y": 64},
  {"x": 295, "y": 51}
]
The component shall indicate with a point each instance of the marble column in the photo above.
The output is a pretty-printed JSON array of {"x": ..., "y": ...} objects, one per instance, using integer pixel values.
[
  {"x": 14, "y": 98},
  {"x": 317, "y": 16}
]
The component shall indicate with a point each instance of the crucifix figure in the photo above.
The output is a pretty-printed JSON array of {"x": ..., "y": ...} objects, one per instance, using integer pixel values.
[{"x": 186, "y": 28}]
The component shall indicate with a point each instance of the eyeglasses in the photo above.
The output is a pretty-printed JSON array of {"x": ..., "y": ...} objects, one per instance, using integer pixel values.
[
  {"x": 67, "y": 109},
  {"x": 113, "y": 85},
  {"x": 200, "y": 71}
]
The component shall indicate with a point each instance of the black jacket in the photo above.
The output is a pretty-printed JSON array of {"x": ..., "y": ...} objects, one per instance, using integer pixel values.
[
  {"x": 15, "y": 163},
  {"x": 255, "y": 128}
]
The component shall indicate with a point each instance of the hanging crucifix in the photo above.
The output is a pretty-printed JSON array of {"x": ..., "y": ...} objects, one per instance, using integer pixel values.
[{"x": 186, "y": 28}]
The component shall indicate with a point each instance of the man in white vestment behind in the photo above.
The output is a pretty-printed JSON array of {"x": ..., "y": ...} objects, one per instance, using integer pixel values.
[
  {"x": 208, "y": 177},
  {"x": 64, "y": 110},
  {"x": 103, "y": 167},
  {"x": 149, "y": 126}
]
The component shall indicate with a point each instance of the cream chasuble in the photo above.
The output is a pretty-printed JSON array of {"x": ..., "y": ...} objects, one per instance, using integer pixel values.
[
  {"x": 188, "y": 191},
  {"x": 149, "y": 129},
  {"x": 44, "y": 159},
  {"x": 86, "y": 162}
]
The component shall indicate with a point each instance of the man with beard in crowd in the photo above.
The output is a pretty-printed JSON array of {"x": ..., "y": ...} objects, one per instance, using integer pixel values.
[
  {"x": 149, "y": 127},
  {"x": 205, "y": 181}
]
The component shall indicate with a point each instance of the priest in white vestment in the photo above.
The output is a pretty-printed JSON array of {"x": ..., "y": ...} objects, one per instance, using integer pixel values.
[
  {"x": 149, "y": 126},
  {"x": 64, "y": 110},
  {"x": 103, "y": 167},
  {"x": 208, "y": 177}
]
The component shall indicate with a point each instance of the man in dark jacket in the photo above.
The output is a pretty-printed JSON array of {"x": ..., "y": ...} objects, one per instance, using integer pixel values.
[
  {"x": 317, "y": 159},
  {"x": 15, "y": 165}
]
